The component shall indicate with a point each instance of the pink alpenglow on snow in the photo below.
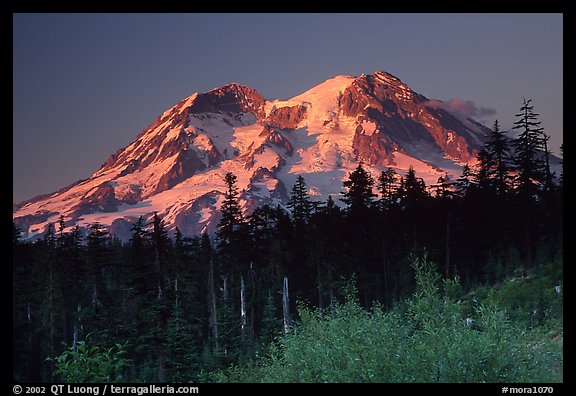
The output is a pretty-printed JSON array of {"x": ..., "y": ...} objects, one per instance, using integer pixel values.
[{"x": 175, "y": 167}]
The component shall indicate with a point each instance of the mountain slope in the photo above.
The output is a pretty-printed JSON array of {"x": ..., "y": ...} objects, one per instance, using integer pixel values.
[{"x": 176, "y": 166}]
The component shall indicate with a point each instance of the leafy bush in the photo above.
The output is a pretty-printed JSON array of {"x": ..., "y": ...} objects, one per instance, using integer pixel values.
[
  {"x": 428, "y": 338},
  {"x": 90, "y": 363}
]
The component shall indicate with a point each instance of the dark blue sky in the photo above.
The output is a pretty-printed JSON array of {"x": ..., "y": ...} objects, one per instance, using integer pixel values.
[{"x": 86, "y": 84}]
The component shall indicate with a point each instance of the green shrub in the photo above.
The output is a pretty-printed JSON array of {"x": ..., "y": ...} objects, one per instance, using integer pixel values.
[
  {"x": 89, "y": 363},
  {"x": 428, "y": 338}
]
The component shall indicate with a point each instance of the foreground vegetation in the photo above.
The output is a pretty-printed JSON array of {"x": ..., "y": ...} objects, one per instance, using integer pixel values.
[{"x": 434, "y": 336}]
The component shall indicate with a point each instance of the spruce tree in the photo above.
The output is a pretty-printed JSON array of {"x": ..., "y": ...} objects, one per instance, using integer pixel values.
[
  {"x": 531, "y": 173},
  {"x": 527, "y": 146},
  {"x": 271, "y": 324},
  {"x": 359, "y": 193},
  {"x": 232, "y": 219},
  {"x": 498, "y": 147},
  {"x": 181, "y": 355},
  {"x": 465, "y": 184},
  {"x": 299, "y": 203},
  {"x": 97, "y": 262},
  {"x": 387, "y": 184},
  {"x": 412, "y": 189},
  {"x": 161, "y": 245}
]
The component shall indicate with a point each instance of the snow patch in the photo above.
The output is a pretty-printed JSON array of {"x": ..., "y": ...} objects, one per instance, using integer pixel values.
[{"x": 369, "y": 127}]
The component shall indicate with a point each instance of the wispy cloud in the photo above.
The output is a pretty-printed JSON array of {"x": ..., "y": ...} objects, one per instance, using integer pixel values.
[{"x": 466, "y": 108}]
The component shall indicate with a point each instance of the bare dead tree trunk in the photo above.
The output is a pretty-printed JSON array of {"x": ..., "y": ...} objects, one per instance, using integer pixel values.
[
  {"x": 242, "y": 309},
  {"x": 176, "y": 289},
  {"x": 252, "y": 276},
  {"x": 213, "y": 322},
  {"x": 76, "y": 329},
  {"x": 447, "y": 262},
  {"x": 286, "y": 305},
  {"x": 95, "y": 301}
]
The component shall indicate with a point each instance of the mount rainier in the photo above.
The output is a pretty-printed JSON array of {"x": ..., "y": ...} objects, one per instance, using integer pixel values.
[{"x": 175, "y": 167}]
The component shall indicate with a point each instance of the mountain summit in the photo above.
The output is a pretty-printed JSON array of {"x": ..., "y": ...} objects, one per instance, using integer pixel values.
[{"x": 175, "y": 167}]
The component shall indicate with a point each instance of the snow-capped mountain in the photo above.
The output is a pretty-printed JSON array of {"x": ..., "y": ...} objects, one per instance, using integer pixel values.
[{"x": 176, "y": 166}]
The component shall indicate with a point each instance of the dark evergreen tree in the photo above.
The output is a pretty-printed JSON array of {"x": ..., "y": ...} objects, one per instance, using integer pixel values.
[
  {"x": 482, "y": 176},
  {"x": 444, "y": 187},
  {"x": 388, "y": 185},
  {"x": 412, "y": 190},
  {"x": 161, "y": 246},
  {"x": 531, "y": 174},
  {"x": 359, "y": 195},
  {"x": 528, "y": 161},
  {"x": 271, "y": 324},
  {"x": 98, "y": 298},
  {"x": 299, "y": 203},
  {"x": 498, "y": 167},
  {"x": 360, "y": 223},
  {"x": 465, "y": 183},
  {"x": 139, "y": 268},
  {"x": 182, "y": 357},
  {"x": 52, "y": 298},
  {"x": 232, "y": 219}
]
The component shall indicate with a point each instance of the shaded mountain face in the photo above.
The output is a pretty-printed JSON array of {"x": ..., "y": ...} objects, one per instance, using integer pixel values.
[{"x": 176, "y": 166}]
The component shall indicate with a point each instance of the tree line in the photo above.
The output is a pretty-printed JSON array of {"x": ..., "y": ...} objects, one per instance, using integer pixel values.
[{"x": 186, "y": 306}]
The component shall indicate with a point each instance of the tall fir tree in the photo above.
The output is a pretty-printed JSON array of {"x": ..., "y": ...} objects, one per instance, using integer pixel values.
[
  {"x": 161, "y": 245},
  {"x": 498, "y": 148},
  {"x": 231, "y": 222},
  {"x": 299, "y": 203},
  {"x": 412, "y": 189},
  {"x": 531, "y": 173},
  {"x": 528, "y": 163},
  {"x": 388, "y": 185},
  {"x": 359, "y": 195}
]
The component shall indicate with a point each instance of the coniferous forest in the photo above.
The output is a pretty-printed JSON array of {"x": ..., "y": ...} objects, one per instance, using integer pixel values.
[{"x": 314, "y": 292}]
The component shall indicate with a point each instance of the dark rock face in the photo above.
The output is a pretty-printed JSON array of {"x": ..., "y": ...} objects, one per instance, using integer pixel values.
[
  {"x": 130, "y": 197},
  {"x": 452, "y": 136},
  {"x": 402, "y": 119},
  {"x": 132, "y": 166},
  {"x": 286, "y": 117},
  {"x": 102, "y": 199},
  {"x": 231, "y": 98},
  {"x": 274, "y": 137},
  {"x": 212, "y": 155},
  {"x": 112, "y": 159},
  {"x": 186, "y": 165},
  {"x": 373, "y": 149}
]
